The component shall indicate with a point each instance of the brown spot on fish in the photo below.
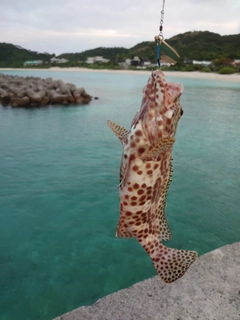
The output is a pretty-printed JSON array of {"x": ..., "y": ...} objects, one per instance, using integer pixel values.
[
  {"x": 132, "y": 157},
  {"x": 138, "y": 133},
  {"x": 169, "y": 121},
  {"x": 142, "y": 198},
  {"x": 140, "y": 191},
  {"x": 141, "y": 150},
  {"x": 135, "y": 168}
]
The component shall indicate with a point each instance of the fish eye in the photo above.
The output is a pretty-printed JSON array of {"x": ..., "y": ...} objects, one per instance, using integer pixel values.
[{"x": 181, "y": 112}]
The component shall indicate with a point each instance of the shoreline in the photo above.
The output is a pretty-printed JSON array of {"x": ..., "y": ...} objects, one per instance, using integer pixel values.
[{"x": 179, "y": 74}]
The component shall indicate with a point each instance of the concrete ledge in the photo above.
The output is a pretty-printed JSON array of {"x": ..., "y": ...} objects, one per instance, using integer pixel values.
[{"x": 210, "y": 290}]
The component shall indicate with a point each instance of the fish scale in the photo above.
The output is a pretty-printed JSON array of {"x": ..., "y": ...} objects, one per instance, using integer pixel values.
[{"x": 145, "y": 173}]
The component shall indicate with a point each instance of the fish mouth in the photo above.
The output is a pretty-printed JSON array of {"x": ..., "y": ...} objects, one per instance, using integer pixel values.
[
  {"x": 173, "y": 89},
  {"x": 160, "y": 101}
]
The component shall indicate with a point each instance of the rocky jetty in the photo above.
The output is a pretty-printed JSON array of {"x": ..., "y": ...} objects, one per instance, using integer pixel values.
[{"x": 36, "y": 92}]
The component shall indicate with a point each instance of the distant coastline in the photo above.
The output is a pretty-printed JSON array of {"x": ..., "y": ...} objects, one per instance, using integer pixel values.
[{"x": 179, "y": 74}]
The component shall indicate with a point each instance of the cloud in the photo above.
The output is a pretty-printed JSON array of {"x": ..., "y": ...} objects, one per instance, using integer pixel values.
[{"x": 54, "y": 25}]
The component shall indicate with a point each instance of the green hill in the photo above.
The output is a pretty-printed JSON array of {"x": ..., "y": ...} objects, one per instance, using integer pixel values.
[
  {"x": 108, "y": 53},
  {"x": 196, "y": 45},
  {"x": 205, "y": 45},
  {"x": 14, "y": 56}
]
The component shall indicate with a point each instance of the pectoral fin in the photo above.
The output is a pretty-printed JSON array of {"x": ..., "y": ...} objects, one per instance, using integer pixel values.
[
  {"x": 162, "y": 146},
  {"x": 119, "y": 131}
]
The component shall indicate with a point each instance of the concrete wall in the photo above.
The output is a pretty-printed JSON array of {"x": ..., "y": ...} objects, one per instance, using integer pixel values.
[{"x": 210, "y": 290}]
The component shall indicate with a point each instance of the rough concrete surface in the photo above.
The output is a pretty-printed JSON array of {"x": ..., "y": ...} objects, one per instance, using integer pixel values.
[{"x": 210, "y": 290}]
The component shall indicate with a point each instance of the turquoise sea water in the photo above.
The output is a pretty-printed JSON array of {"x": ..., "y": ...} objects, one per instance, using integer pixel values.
[{"x": 59, "y": 173}]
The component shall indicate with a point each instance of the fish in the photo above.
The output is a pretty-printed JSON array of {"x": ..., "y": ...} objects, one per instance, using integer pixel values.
[{"x": 145, "y": 175}]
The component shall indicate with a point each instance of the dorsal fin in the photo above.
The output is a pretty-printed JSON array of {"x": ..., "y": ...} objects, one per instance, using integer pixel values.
[
  {"x": 119, "y": 131},
  {"x": 163, "y": 231}
]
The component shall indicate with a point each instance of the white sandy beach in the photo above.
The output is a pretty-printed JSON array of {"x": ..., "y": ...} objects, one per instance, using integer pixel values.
[{"x": 178, "y": 74}]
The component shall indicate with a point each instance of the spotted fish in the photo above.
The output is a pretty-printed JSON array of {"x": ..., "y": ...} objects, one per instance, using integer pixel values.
[{"x": 145, "y": 175}]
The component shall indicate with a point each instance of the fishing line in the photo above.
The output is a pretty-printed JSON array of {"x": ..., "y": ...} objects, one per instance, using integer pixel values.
[
  {"x": 160, "y": 37},
  {"x": 164, "y": 50},
  {"x": 161, "y": 20}
]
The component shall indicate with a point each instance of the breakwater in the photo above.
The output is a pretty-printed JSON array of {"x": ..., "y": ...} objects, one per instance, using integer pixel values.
[{"x": 36, "y": 92}]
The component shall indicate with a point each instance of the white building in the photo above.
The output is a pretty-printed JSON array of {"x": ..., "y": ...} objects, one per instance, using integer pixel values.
[
  {"x": 203, "y": 63},
  {"x": 33, "y": 63},
  {"x": 165, "y": 63},
  {"x": 91, "y": 60},
  {"x": 236, "y": 62},
  {"x": 55, "y": 60},
  {"x": 136, "y": 58},
  {"x": 128, "y": 62}
]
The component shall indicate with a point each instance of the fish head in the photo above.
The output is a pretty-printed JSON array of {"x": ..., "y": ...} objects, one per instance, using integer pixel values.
[{"x": 160, "y": 110}]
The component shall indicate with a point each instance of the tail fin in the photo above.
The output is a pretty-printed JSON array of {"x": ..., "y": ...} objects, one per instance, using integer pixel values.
[{"x": 171, "y": 264}]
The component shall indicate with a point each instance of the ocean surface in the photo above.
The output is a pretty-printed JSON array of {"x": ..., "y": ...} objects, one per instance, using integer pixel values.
[{"x": 59, "y": 175}]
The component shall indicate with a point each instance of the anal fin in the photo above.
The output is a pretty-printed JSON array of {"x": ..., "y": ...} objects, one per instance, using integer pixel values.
[{"x": 122, "y": 231}]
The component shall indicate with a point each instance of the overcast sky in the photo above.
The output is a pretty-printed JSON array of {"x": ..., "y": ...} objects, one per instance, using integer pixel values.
[{"x": 60, "y": 26}]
